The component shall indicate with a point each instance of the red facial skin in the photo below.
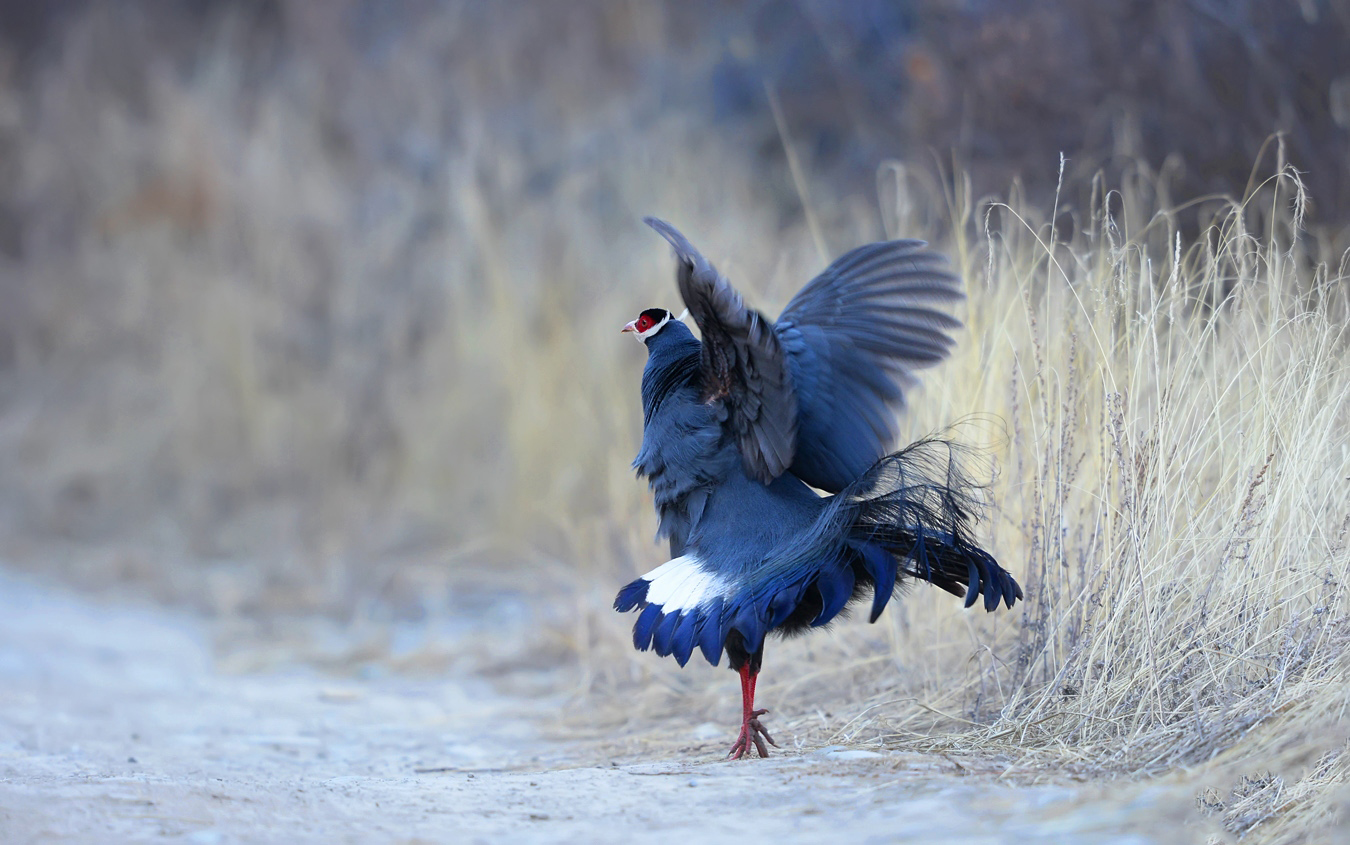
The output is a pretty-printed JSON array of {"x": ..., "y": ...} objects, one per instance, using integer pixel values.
[{"x": 640, "y": 325}]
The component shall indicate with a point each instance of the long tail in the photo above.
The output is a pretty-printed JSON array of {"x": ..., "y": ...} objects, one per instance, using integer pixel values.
[
  {"x": 912, "y": 515},
  {"x": 909, "y": 517}
]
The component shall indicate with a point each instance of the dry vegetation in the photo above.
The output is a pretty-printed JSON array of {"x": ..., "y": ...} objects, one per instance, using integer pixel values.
[{"x": 310, "y": 345}]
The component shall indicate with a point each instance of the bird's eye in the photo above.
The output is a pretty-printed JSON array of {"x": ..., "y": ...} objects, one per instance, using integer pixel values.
[{"x": 644, "y": 322}]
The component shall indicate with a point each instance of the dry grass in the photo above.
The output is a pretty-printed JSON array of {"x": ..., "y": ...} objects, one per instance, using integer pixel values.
[{"x": 314, "y": 345}]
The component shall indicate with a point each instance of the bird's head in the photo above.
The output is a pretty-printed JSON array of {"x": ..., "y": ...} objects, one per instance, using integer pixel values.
[{"x": 648, "y": 323}]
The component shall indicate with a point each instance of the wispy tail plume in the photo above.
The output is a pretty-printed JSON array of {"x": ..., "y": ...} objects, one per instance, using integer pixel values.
[{"x": 912, "y": 515}]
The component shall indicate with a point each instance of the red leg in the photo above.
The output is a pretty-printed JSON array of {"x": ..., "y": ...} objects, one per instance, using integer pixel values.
[{"x": 751, "y": 729}]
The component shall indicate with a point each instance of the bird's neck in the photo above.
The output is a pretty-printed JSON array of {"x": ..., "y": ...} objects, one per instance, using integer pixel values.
[{"x": 672, "y": 363}]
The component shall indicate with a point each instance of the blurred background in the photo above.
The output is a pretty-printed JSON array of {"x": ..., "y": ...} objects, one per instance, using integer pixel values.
[{"x": 314, "y": 306}]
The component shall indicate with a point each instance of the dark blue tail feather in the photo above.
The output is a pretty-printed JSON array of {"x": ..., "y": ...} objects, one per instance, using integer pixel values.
[
  {"x": 665, "y": 630},
  {"x": 908, "y": 518},
  {"x": 646, "y": 622},
  {"x": 747, "y": 619},
  {"x": 881, "y": 567},
  {"x": 710, "y": 633},
  {"x": 631, "y": 596},
  {"x": 785, "y": 600},
  {"x": 682, "y": 639},
  {"x": 835, "y": 585}
]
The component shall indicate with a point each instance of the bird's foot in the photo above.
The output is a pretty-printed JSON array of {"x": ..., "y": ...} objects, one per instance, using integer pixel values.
[{"x": 752, "y": 731}]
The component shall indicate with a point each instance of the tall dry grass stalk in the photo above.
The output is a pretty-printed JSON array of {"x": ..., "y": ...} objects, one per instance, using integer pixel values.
[{"x": 1176, "y": 483}]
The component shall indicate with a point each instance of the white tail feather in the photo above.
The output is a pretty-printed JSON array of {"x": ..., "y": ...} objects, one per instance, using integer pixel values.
[{"x": 682, "y": 584}]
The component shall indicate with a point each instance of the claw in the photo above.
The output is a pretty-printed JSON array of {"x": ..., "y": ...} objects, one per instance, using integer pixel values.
[
  {"x": 752, "y": 730},
  {"x": 754, "y": 733}
]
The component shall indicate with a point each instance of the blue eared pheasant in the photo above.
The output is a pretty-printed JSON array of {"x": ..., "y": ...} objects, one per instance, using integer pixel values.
[{"x": 740, "y": 426}]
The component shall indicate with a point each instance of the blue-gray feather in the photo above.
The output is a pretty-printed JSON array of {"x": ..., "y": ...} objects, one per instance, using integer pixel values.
[{"x": 737, "y": 425}]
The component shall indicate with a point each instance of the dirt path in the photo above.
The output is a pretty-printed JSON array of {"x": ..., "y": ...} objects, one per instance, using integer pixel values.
[{"x": 115, "y": 725}]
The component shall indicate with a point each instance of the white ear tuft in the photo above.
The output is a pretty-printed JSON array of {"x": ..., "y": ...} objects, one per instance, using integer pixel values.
[{"x": 683, "y": 314}]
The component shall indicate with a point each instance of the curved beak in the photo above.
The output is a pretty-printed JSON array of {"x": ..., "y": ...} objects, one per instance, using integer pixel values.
[{"x": 631, "y": 327}]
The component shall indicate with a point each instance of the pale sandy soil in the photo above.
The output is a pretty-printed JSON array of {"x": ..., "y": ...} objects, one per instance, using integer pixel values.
[{"x": 121, "y": 723}]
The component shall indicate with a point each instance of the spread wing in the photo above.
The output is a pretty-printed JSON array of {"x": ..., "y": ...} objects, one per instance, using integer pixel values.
[
  {"x": 854, "y": 337},
  {"x": 743, "y": 362}
]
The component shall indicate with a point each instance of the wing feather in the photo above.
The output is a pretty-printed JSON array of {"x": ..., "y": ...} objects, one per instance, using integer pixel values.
[
  {"x": 854, "y": 337},
  {"x": 818, "y": 391},
  {"x": 743, "y": 361}
]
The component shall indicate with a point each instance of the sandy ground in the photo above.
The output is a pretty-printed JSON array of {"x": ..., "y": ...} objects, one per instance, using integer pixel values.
[{"x": 118, "y": 723}]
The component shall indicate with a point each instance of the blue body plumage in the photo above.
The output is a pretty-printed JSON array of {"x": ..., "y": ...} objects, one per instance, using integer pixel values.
[{"x": 740, "y": 426}]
